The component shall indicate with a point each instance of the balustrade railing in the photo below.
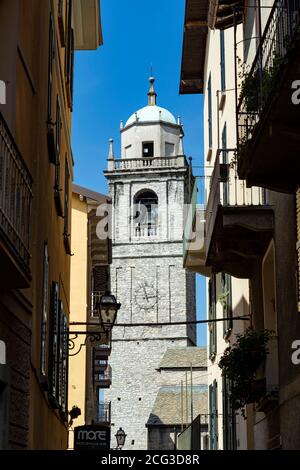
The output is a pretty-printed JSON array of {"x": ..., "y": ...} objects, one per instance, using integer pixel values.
[
  {"x": 15, "y": 196},
  {"x": 153, "y": 162},
  {"x": 145, "y": 230},
  {"x": 260, "y": 81}
]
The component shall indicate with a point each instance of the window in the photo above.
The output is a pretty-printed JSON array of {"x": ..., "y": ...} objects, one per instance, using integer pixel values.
[
  {"x": 61, "y": 23},
  {"x": 58, "y": 127},
  {"x": 50, "y": 67},
  {"x": 66, "y": 209},
  {"x": 212, "y": 316},
  {"x": 229, "y": 425},
  {"x": 45, "y": 303},
  {"x": 222, "y": 60},
  {"x": 53, "y": 342},
  {"x": 57, "y": 189},
  {"x": 227, "y": 302},
  {"x": 169, "y": 149},
  {"x": 225, "y": 163},
  {"x": 209, "y": 104},
  {"x": 213, "y": 415},
  {"x": 4, "y": 397},
  {"x": 50, "y": 125},
  {"x": 58, "y": 352},
  {"x": 145, "y": 214},
  {"x": 63, "y": 361},
  {"x": 298, "y": 246},
  {"x": 99, "y": 285},
  {"x": 148, "y": 149},
  {"x": 70, "y": 57}
]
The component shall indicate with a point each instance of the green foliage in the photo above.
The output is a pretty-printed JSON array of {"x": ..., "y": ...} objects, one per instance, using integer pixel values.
[
  {"x": 240, "y": 362},
  {"x": 223, "y": 298},
  {"x": 256, "y": 86}
]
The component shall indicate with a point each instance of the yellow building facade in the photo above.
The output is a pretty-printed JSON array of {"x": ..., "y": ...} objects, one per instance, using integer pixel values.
[
  {"x": 89, "y": 280},
  {"x": 37, "y": 44}
]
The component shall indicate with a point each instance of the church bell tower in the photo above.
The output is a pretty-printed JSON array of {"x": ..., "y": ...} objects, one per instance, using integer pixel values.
[{"x": 149, "y": 190}]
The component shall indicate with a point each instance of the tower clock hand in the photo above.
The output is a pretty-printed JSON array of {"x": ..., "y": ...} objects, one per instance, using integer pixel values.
[{"x": 144, "y": 287}]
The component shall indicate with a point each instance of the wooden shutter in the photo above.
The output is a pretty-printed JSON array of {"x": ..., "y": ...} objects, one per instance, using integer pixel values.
[
  {"x": 213, "y": 415},
  {"x": 51, "y": 54},
  {"x": 229, "y": 428},
  {"x": 298, "y": 245},
  {"x": 53, "y": 343},
  {"x": 211, "y": 422},
  {"x": 45, "y": 308},
  {"x": 227, "y": 305},
  {"x": 215, "y": 411},
  {"x": 222, "y": 60},
  {"x": 100, "y": 279},
  {"x": 212, "y": 316}
]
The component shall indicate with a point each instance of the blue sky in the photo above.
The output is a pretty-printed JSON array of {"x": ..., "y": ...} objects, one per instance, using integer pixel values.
[{"x": 112, "y": 83}]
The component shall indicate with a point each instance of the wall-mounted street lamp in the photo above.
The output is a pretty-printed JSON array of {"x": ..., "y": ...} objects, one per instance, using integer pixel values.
[
  {"x": 106, "y": 310},
  {"x": 120, "y": 437},
  {"x": 74, "y": 413}
]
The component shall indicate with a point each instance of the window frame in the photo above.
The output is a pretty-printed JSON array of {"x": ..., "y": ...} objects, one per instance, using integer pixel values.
[
  {"x": 151, "y": 142},
  {"x": 51, "y": 58},
  {"x": 66, "y": 233},
  {"x": 152, "y": 223},
  {"x": 45, "y": 315},
  {"x": 226, "y": 189},
  {"x": 69, "y": 57},
  {"x": 209, "y": 112},
  {"x": 213, "y": 416},
  {"x": 229, "y": 423},
  {"x": 222, "y": 60},
  {"x": 226, "y": 281},
  {"x": 53, "y": 342},
  {"x": 212, "y": 316}
]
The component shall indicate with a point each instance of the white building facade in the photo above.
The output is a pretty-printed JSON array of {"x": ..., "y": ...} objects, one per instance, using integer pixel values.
[{"x": 149, "y": 187}]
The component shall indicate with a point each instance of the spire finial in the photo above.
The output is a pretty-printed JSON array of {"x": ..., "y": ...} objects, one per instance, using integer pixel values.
[
  {"x": 111, "y": 149},
  {"x": 152, "y": 94},
  {"x": 180, "y": 149}
]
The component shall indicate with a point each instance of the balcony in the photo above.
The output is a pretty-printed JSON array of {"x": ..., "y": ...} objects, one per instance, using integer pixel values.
[
  {"x": 100, "y": 365},
  {"x": 87, "y": 24},
  {"x": 239, "y": 223},
  {"x": 232, "y": 230},
  {"x": 102, "y": 378},
  {"x": 103, "y": 413},
  {"x": 194, "y": 253},
  {"x": 145, "y": 230},
  {"x": 270, "y": 373},
  {"x": 95, "y": 298},
  {"x": 151, "y": 163},
  {"x": 15, "y": 213},
  {"x": 268, "y": 116},
  {"x": 102, "y": 351}
]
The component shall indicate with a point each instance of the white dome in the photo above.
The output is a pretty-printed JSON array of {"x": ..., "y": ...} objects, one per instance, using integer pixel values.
[{"x": 151, "y": 114}]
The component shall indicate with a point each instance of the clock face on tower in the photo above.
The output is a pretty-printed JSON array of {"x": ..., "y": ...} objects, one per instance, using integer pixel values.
[{"x": 145, "y": 296}]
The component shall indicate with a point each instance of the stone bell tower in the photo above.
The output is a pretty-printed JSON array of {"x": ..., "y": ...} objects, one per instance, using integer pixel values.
[{"x": 149, "y": 187}]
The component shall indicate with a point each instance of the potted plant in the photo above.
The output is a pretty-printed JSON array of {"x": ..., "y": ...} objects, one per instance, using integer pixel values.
[{"x": 239, "y": 363}]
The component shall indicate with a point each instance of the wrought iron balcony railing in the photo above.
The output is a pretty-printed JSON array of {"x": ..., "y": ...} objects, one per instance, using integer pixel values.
[
  {"x": 260, "y": 82},
  {"x": 104, "y": 376},
  {"x": 95, "y": 298},
  {"x": 15, "y": 197},
  {"x": 103, "y": 413},
  {"x": 227, "y": 190}
]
